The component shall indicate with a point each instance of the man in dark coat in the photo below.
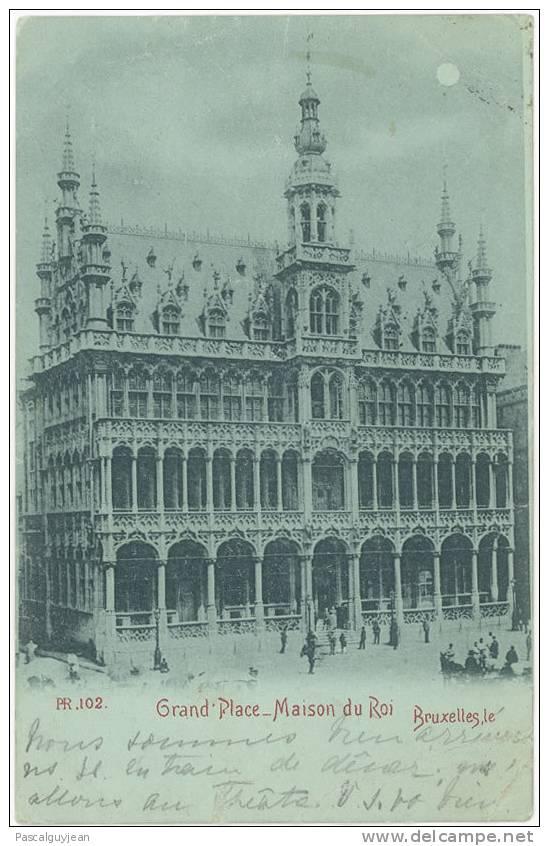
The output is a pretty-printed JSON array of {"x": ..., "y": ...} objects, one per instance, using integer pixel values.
[
  {"x": 343, "y": 642},
  {"x": 332, "y": 641},
  {"x": 511, "y": 657},
  {"x": 426, "y": 630},
  {"x": 494, "y": 647},
  {"x": 377, "y": 630},
  {"x": 362, "y": 641},
  {"x": 283, "y": 640}
]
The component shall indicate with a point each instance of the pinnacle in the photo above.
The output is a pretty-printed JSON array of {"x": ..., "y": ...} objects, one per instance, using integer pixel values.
[
  {"x": 45, "y": 256},
  {"x": 482, "y": 262},
  {"x": 94, "y": 216},
  {"x": 68, "y": 153}
]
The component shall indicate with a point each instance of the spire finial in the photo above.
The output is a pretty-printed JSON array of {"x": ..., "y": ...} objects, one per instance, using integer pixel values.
[
  {"x": 482, "y": 261},
  {"x": 68, "y": 153},
  {"x": 310, "y": 36},
  {"x": 94, "y": 216},
  {"x": 445, "y": 210},
  {"x": 45, "y": 256}
]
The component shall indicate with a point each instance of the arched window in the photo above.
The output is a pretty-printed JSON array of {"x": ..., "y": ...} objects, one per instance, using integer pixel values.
[
  {"x": 209, "y": 396},
  {"x": 328, "y": 482},
  {"x": 124, "y": 317},
  {"x": 405, "y": 405},
  {"x": 461, "y": 406},
  {"x": 424, "y": 405},
  {"x": 305, "y": 211},
  {"x": 260, "y": 328},
  {"x": 118, "y": 379},
  {"x": 216, "y": 323},
  {"x": 336, "y": 396},
  {"x": 232, "y": 397},
  {"x": 332, "y": 313},
  {"x": 386, "y": 404},
  {"x": 138, "y": 393},
  {"x": 170, "y": 321},
  {"x": 391, "y": 337},
  {"x": 321, "y": 222},
  {"x": 324, "y": 312},
  {"x": 185, "y": 395},
  {"x": 291, "y": 312},
  {"x": 254, "y": 397},
  {"x": 317, "y": 313},
  {"x": 442, "y": 406},
  {"x": 367, "y": 403},
  {"x": 317, "y": 397},
  {"x": 162, "y": 394},
  {"x": 428, "y": 340},
  {"x": 476, "y": 406},
  {"x": 463, "y": 343},
  {"x": 275, "y": 398}
]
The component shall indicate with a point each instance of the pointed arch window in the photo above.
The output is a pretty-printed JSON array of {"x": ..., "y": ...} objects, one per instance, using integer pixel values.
[
  {"x": 317, "y": 396},
  {"x": 335, "y": 386},
  {"x": 317, "y": 313},
  {"x": 442, "y": 406},
  {"x": 476, "y": 407},
  {"x": 367, "y": 403},
  {"x": 260, "y": 328},
  {"x": 305, "y": 213},
  {"x": 170, "y": 321},
  {"x": 275, "y": 398},
  {"x": 428, "y": 340},
  {"x": 216, "y": 323},
  {"x": 321, "y": 222},
  {"x": 424, "y": 405},
  {"x": 138, "y": 393},
  {"x": 254, "y": 397},
  {"x": 232, "y": 397},
  {"x": 324, "y": 308},
  {"x": 461, "y": 406},
  {"x": 405, "y": 404},
  {"x": 209, "y": 396},
  {"x": 386, "y": 404},
  {"x": 118, "y": 380},
  {"x": 124, "y": 317},
  {"x": 185, "y": 394},
  {"x": 162, "y": 394},
  {"x": 463, "y": 343},
  {"x": 391, "y": 337}
]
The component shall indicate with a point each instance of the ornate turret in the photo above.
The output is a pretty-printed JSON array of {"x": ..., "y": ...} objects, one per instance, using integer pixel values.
[
  {"x": 483, "y": 309},
  {"x": 311, "y": 189},
  {"x": 42, "y": 305},
  {"x": 69, "y": 181},
  {"x": 444, "y": 254},
  {"x": 95, "y": 269}
]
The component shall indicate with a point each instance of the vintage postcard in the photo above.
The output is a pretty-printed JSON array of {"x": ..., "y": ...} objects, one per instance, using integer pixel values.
[{"x": 274, "y": 365}]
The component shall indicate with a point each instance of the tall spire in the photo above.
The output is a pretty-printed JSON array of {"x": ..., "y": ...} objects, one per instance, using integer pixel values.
[
  {"x": 309, "y": 137},
  {"x": 482, "y": 261},
  {"x": 446, "y": 222},
  {"x": 45, "y": 255},
  {"x": 68, "y": 152},
  {"x": 94, "y": 216}
]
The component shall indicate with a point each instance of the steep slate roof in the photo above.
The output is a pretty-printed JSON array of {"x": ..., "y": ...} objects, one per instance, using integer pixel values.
[{"x": 408, "y": 279}]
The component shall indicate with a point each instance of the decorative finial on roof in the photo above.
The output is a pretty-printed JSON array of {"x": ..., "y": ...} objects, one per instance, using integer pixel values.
[
  {"x": 46, "y": 253},
  {"x": 310, "y": 36},
  {"x": 445, "y": 210},
  {"x": 482, "y": 261},
  {"x": 68, "y": 153},
  {"x": 94, "y": 216}
]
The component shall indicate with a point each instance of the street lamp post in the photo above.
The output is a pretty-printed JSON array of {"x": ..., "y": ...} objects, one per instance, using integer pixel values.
[
  {"x": 514, "y": 615},
  {"x": 393, "y": 629},
  {"x": 157, "y": 653}
]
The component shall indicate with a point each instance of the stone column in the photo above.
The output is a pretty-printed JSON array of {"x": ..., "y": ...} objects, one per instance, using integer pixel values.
[
  {"x": 509, "y": 481},
  {"x": 211, "y": 610},
  {"x": 110, "y": 616},
  {"x": 511, "y": 577},
  {"x": 437, "y": 586},
  {"x": 307, "y": 489},
  {"x": 399, "y": 608},
  {"x": 453, "y": 482},
  {"x": 374, "y": 483},
  {"x": 259, "y": 609},
  {"x": 134, "y": 484},
  {"x": 494, "y": 588},
  {"x": 161, "y": 586},
  {"x": 293, "y": 604},
  {"x": 184, "y": 490},
  {"x": 475, "y": 599},
  {"x": 233, "y": 482},
  {"x": 435, "y": 482},
  {"x": 414, "y": 483},
  {"x": 308, "y": 605},
  {"x": 279, "y": 483},
  {"x": 353, "y": 485},
  {"x": 492, "y": 474},
  {"x": 474, "y": 483},
  {"x": 108, "y": 482},
  {"x": 209, "y": 484},
  {"x": 355, "y": 600},
  {"x": 257, "y": 482},
  {"x": 160, "y": 480}
]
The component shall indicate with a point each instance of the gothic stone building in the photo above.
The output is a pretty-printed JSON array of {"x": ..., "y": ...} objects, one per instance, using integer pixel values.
[{"x": 227, "y": 437}]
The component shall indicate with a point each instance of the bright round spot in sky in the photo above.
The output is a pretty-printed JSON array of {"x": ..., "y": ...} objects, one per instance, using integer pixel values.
[{"x": 447, "y": 74}]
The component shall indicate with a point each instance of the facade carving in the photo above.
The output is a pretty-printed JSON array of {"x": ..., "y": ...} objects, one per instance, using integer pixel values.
[{"x": 252, "y": 440}]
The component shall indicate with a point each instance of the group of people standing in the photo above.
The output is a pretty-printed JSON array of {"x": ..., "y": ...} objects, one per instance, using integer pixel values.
[{"x": 483, "y": 657}]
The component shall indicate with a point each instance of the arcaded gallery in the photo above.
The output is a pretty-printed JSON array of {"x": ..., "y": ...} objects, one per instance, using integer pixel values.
[{"x": 230, "y": 437}]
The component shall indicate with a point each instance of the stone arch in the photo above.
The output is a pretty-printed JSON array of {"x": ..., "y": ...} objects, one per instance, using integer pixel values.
[
  {"x": 186, "y": 582},
  {"x": 235, "y": 578},
  {"x": 377, "y": 573},
  {"x": 135, "y": 577},
  {"x": 328, "y": 479},
  {"x": 456, "y": 563},
  {"x": 281, "y": 573},
  {"x": 330, "y": 571},
  {"x": 417, "y": 572}
]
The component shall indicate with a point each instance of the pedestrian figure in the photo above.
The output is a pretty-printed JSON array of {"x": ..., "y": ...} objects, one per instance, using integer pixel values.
[
  {"x": 332, "y": 641},
  {"x": 73, "y": 666},
  {"x": 511, "y": 657},
  {"x": 494, "y": 648},
  {"x": 394, "y": 634},
  {"x": 309, "y": 651},
  {"x": 449, "y": 654},
  {"x": 426, "y": 630},
  {"x": 377, "y": 631},
  {"x": 472, "y": 665},
  {"x": 362, "y": 641},
  {"x": 343, "y": 642},
  {"x": 283, "y": 640},
  {"x": 528, "y": 644},
  {"x": 482, "y": 654},
  {"x": 29, "y": 650},
  {"x": 164, "y": 666}
]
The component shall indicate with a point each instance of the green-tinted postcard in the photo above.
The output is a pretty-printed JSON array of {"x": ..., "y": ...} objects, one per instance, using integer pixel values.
[{"x": 274, "y": 364}]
